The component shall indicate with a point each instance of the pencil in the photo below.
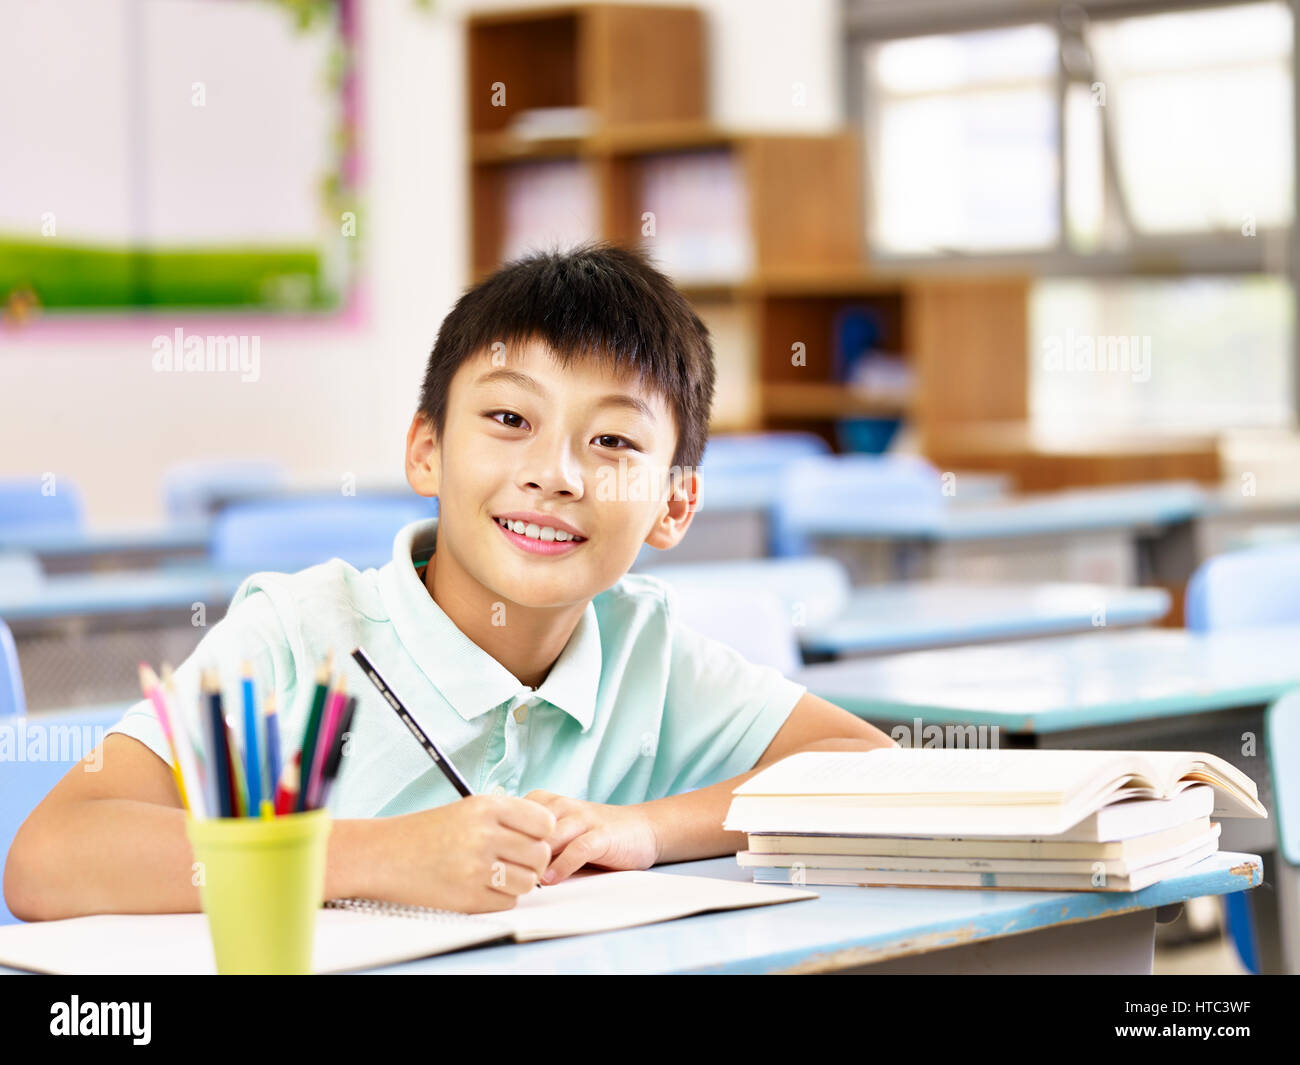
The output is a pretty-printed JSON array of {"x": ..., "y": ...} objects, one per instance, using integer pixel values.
[
  {"x": 217, "y": 743},
  {"x": 191, "y": 758},
  {"x": 252, "y": 749},
  {"x": 286, "y": 794},
  {"x": 272, "y": 747},
  {"x": 430, "y": 748},
  {"x": 154, "y": 693},
  {"x": 308, "y": 748},
  {"x": 336, "y": 752},
  {"x": 325, "y": 741}
]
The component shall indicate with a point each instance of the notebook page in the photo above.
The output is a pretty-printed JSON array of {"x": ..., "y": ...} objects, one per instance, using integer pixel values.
[{"x": 592, "y": 901}]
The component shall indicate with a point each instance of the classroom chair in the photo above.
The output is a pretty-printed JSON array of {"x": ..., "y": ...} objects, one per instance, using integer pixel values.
[
  {"x": 289, "y": 535},
  {"x": 33, "y": 504},
  {"x": 1240, "y": 589},
  {"x": 867, "y": 485},
  {"x": 1253, "y": 586},
  {"x": 51, "y": 744},
  {"x": 13, "y": 701},
  {"x": 750, "y": 465},
  {"x": 1282, "y": 740},
  {"x": 814, "y": 590},
  {"x": 194, "y": 491},
  {"x": 753, "y": 621}
]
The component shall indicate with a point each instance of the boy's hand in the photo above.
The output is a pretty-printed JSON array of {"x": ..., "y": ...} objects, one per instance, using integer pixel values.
[
  {"x": 613, "y": 837},
  {"x": 476, "y": 854}
]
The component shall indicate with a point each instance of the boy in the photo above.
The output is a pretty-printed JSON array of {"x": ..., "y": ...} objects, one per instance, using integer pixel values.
[{"x": 564, "y": 409}]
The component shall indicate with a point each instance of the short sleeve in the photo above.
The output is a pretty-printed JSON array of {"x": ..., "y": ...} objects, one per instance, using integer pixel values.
[
  {"x": 250, "y": 631},
  {"x": 720, "y": 713}
]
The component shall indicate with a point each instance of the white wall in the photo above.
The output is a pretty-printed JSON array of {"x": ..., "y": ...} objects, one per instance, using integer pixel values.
[{"x": 326, "y": 403}]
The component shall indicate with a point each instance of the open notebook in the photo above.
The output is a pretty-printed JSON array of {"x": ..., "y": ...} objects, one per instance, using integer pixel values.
[{"x": 356, "y": 934}]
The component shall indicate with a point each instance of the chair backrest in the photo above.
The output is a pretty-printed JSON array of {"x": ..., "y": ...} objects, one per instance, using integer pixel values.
[
  {"x": 1254, "y": 586},
  {"x": 814, "y": 590},
  {"x": 31, "y": 504},
  {"x": 193, "y": 491},
  {"x": 858, "y": 484},
  {"x": 289, "y": 535},
  {"x": 753, "y": 621},
  {"x": 750, "y": 466},
  {"x": 13, "y": 702},
  {"x": 1282, "y": 741},
  {"x": 45, "y": 747},
  {"x": 20, "y": 573}
]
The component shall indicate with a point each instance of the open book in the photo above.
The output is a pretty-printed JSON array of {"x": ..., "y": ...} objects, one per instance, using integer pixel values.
[
  {"x": 356, "y": 934},
  {"x": 912, "y": 791}
]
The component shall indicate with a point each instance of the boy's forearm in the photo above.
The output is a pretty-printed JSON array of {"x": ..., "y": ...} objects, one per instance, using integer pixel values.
[
  {"x": 125, "y": 856},
  {"x": 689, "y": 826}
]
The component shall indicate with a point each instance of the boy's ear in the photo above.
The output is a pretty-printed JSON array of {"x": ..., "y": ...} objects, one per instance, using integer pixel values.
[
  {"x": 683, "y": 498},
  {"x": 423, "y": 457}
]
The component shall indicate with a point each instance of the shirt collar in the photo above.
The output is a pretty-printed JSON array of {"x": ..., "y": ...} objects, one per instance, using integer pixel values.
[{"x": 469, "y": 678}]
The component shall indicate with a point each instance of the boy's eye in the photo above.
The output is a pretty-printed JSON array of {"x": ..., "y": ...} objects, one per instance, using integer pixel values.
[
  {"x": 611, "y": 436},
  {"x": 508, "y": 414}
]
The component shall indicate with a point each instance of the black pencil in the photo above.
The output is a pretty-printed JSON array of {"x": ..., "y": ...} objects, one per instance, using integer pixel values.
[{"x": 448, "y": 770}]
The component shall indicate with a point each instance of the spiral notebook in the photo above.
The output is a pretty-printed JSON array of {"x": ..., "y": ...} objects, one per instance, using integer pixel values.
[{"x": 354, "y": 934}]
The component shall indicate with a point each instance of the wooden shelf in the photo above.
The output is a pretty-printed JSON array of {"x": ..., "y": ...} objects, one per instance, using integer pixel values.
[{"x": 829, "y": 400}]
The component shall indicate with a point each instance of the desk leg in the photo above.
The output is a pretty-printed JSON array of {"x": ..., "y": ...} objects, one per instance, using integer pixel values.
[{"x": 1108, "y": 945}]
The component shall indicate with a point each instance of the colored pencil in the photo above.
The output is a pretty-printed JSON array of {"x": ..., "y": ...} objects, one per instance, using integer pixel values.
[
  {"x": 184, "y": 718},
  {"x": 154, "y": 693},
  {"x": 308, "y": 748},
  {"x": 286, "y": 794},
  {"x": 336, "y": 751},
  {"x": 273, "y": 767},
  {"x": 217, "y": 743},
  {"x": 252, "y": 748},
  {"x": 325, "y": 741}
]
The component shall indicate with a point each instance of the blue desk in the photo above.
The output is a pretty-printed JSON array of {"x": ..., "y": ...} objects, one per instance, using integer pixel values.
[
  {"x": 79, "y": 635},
  {"x": 1121, "y": 535},
  {"x": 90, "y": 549},
  {"x": 907, "y": 616},
  {"x": 882, "y": 929}
]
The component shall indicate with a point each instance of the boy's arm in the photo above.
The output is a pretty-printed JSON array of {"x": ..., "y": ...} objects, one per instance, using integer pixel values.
[
  {"x": 684, "y": 827},
  {"x": 689, "y": 826}
]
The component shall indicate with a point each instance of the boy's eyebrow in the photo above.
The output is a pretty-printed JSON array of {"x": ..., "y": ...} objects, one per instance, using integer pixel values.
[{"x": 529, "y": 384}]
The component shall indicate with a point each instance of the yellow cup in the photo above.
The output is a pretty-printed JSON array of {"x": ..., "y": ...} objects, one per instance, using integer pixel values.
[{"x": 262, "y": 883}]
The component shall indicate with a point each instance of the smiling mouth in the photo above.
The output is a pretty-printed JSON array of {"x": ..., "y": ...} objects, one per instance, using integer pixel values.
[{"x": 539, "y": 534}]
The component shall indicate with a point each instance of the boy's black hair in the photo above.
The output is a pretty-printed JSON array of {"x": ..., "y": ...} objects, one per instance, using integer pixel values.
[{"x": 595, "y": 300}]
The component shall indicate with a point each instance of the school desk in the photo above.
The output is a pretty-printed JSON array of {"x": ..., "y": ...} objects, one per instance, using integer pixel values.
[
  {"x": 1233, "y": 520},
  {"x": 912, "y": 615},
  {"x": 878, "y": 930},
  {"x": 1114, "y": 535},
  {"x": 107, "y": 549},
  {"x": 77, "y": 633}
]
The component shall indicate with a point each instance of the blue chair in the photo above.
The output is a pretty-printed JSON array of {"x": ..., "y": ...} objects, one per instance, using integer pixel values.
[
  {"x": 1253, "y": 586},
  {"x": 13, "y": 702},
  {"x": 64, "y": 739},
  {"x": 1282, "y": 740},
  {"x": 750, "y": 465},
  {"x": 289, "y": 535},
  {"x": 1240, "y": 589},
  {"x": 26, "y": 508},
  {"x": 193, "y": 491}
]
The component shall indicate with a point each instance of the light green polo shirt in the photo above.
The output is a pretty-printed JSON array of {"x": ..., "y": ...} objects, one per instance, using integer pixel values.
[{"x": 636, "y": 707}]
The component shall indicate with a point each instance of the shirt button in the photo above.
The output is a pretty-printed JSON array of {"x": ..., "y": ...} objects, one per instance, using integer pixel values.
[
  {"x": 521, "y": 712},
  {"x": 497, "y": 789}
]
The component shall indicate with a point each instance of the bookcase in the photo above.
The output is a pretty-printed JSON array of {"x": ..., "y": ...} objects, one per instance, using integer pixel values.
[{"x": 591, "y": 120}]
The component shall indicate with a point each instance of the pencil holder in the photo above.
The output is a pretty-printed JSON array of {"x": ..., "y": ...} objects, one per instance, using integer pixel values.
[{"x": 263, "y": 883}]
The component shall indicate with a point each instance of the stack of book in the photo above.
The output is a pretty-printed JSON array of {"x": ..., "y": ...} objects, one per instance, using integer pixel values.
[{"x": 1010, "y": 819}]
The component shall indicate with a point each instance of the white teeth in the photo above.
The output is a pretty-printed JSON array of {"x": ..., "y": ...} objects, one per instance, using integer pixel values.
[{"x": 545, "y": 533}]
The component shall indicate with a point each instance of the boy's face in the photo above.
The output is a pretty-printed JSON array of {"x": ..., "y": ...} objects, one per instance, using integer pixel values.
[{"x": 525, "y": 435}]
